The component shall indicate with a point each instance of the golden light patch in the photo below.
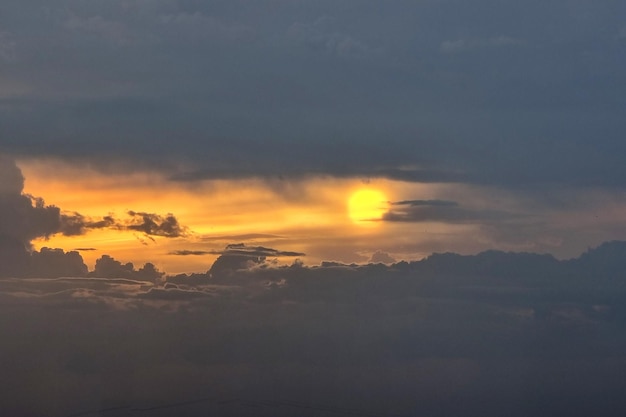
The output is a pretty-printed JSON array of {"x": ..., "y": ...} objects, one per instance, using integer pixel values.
[{"x": 366, "y": 206}]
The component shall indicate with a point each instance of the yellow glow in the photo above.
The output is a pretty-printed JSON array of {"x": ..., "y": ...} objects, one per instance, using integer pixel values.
[{"x": 366, "y": 206}]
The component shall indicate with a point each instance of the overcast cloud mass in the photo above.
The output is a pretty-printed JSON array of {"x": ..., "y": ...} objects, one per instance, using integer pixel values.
[{"x": 505, "y": 92}]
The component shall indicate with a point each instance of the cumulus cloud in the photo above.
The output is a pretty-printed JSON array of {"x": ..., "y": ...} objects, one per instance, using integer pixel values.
[
  {"x": 381, "y": 257},
  {"x": 238, "y": 256},
  {"x": 57, "y": 263},
  {"x": 22, "y": 218},
  {"x": 108, "y": 267}
]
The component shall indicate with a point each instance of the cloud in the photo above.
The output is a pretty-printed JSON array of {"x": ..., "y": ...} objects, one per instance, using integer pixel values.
[
  {"x": 150, "y": 224},
  {"x": 255, "y": 251},
  {"x": 154, "y": 224},
  {"x": 432, "y": 203},
  {"x": 108, "y": 267},
  {"x": 73, "y": 224},
  {"x": 235, "y": 257},
  {"x": 468, "y": 44},
  {"x": 186, "y": 252},
  {"x": 481, "y": 117},
  {"x": 442, "y": 211},
  {"x": 335, "y": 338},
  {"x": 56, "y": 263},
  {"x": 381, "y": 257},
  {"x": 22, "y": 218},
  {"x": 319, "y": 37},
  {"x": 174, "y": 294}
]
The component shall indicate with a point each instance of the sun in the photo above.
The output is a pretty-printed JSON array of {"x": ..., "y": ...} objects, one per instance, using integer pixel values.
[{"x": 367, "y": 205}]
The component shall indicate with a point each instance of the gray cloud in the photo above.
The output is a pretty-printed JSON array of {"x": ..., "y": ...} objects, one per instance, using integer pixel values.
[
  {"x": 186, "y": 252},
  {"x": 150, "y": 224},
  {"x": 525, "y": 95},
  {"x": 153, "y": 224},
  {"x": 431, "y": 203},
  {"x": 22, "y": 218},
  {"x": 255, "y": 251},
  {"x": 443, "y": 211},
  {"x": 372, "y": 339},
  {"x": 108, "y": 267},
  {"x": 73, "y": 224},
  {"x": 382, "y": 257}
]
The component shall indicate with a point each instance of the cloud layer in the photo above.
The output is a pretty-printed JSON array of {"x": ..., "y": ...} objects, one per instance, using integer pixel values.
[
  {"x": 500, "y": 93},
  {"x": 491, "y": 334}
]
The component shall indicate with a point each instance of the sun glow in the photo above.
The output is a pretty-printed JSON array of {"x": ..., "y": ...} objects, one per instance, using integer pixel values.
[{"x": 366, "y": 206}]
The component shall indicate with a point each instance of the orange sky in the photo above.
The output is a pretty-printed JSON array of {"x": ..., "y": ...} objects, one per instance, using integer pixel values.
[{"x": 309, "y": 215}]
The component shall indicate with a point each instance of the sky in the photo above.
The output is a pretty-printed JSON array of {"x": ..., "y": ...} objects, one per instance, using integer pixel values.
[
  {"x": 263, "y": 118},
  {"x": 165, "y": 147}
]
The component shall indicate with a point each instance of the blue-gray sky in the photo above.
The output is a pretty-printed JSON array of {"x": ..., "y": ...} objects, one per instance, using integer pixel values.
[{"x": 500, "y": 92}]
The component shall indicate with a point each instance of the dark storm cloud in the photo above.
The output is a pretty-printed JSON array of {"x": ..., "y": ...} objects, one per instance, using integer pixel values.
[{"x": 500, "y": 93}]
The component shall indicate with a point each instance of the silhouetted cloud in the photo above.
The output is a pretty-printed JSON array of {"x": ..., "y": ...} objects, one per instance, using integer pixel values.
[
  {"x": 254, "y": 251},
  {"x": 108, "y": 267},
  {"x": 186, "y": 252},
  {"x": 56, "y": 263},
  {"x": 154, "y": 224},
  {"x": 419, "y": 203},
  {"x": 22, "y": 219},
  {"x": 441, "y": 210},
  {"x": 73, "y": 224},
  {"x": 150, "y": 224},
  {"x": 382, "y": 257}
]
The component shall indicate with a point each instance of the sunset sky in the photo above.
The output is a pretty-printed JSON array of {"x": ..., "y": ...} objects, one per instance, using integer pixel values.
[
  {"x": 266, "y": 165},
  {"x": 498, "y": 124}
]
